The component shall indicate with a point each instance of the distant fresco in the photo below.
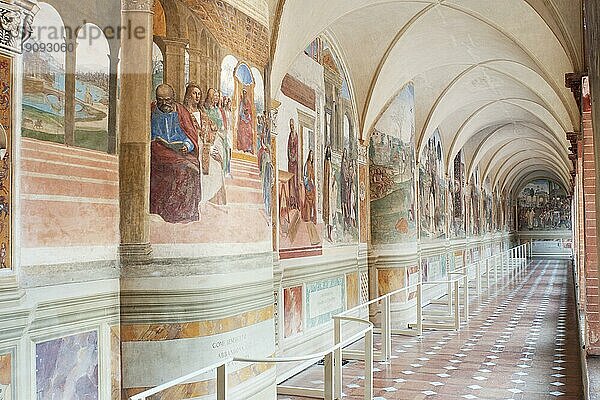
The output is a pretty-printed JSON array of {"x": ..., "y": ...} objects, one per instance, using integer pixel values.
[
  {"x": 317, "y": 153},
  {"x": 475, "y": 205},
  {"x": 457, "y": 202},
  {"x": 544, "y": 205},
  {"x": 67, "y": 368},
  {"x": 488, "y": 208},
  {"x": 391, "y": 167},
  {"x": 432, "y": 188}
]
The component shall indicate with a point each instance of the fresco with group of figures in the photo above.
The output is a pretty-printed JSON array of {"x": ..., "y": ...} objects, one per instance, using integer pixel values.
[
  {"x": 209, "y": 130},
  {"x": 317, "y": 155},
  {"x": 432, "y": 189},
  {"x": 211, "y": 157},
  {"x": 457, "y": 202},
  {"x": 46, "y": 89},
  {"x": 544, "y": 205},
  {"x": 392, "y": 160}
]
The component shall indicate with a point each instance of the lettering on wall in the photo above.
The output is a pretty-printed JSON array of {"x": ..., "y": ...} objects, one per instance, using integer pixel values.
[{"x": 323, "y": 300}]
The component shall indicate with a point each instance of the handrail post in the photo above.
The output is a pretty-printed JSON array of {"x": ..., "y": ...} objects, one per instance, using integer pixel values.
[
  {"x": 521, "y": 258},
  {"x": 513, "y": 254},
  {"x": 466, "y": 298},
  {"x": 328, "y": 377},
  {"x": 420, "y": 309},
  {"x": 386, "y": 328},
  {"x": 222, "y": 382},
  {"x": 368, "y": 365},
  {"x": 449, "y": 296},
  {"x": 496, "y": 268},
  {"x": 456, "y": 305},
  {"x": 478, "y": 281},
  {"x": 337, "y": 358},
  {"x": 487, "y": 275}
]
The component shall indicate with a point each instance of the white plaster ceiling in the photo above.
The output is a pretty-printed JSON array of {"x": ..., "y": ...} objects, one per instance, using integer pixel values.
[{"x": 486, "y": 72}]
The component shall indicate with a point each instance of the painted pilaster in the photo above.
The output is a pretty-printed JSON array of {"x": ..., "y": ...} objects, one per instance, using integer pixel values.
[{"x": 134, "y": 146}]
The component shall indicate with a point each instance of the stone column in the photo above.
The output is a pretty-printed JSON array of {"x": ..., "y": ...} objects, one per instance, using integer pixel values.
[
  {"x": 112, "y": 104},
  {"x": 197, "y": 67},
  {"x": 70, "y": 69},
  {"x": 134, "y": 144},
  {"x": 174, "y": 64}
]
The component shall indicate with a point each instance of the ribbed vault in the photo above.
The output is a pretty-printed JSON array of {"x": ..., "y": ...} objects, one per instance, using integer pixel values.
[{"x": 490, "y": 78}]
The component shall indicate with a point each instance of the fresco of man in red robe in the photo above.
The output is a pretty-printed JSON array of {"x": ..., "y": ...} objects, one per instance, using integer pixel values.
[{"x": 175, "y": 167}]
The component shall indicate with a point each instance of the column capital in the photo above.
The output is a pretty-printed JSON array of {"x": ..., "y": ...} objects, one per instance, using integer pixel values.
[
  {"x": 15, "y": 25},
  {"x": 573, "y": 82},
  {"x": 172, "y": 41},
  {"x": 137, "y": 5}
]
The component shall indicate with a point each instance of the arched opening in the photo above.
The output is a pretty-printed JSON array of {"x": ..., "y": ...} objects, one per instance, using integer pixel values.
[
  {"x": 159, "y": 20},
  {"x": 44, "y": 77},
  {"x": 186, "y": 65},
  {"x": 92, "y": 89},
  {"x": 244, "y": 109},
  {"x": 158, "y": 68}
]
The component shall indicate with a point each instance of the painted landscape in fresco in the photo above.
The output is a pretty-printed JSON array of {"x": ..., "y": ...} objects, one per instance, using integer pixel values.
[
  {"x": 44, "y": 83},
  {"x": 544, "y": 205},
  {"x": 392, "y": 160},
  {"x": 318, "y": 177},
  {"x": 432, "y": 189},
  {"x": 67, "y": 368}
]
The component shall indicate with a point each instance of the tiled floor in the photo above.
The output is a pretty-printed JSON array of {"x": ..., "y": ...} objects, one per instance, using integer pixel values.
[{"x": 521, "y": 342}]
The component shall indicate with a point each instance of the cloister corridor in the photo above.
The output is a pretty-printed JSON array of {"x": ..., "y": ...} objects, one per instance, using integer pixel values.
[{"x": 520, "y": 343}]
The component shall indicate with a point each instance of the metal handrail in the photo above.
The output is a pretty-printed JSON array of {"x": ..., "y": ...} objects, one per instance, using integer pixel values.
[
  {"x": 333, "y": 355},
  {"x": 332, "y": 374},
  {"x": 221, "y": 368}
]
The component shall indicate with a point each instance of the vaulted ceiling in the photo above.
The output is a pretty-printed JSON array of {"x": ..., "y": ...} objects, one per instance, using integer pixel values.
[{"x": 488, "y": 74}]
